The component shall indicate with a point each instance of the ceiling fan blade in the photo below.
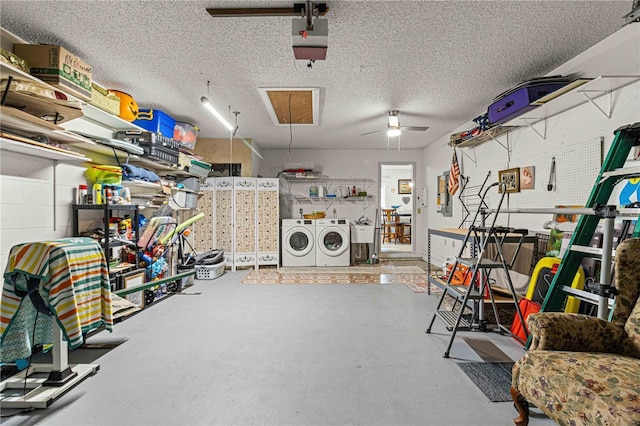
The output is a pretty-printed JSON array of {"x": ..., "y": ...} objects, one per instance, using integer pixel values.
[
  {"x": 368, "y": 133},
  {"x": 414, "y": 128}
]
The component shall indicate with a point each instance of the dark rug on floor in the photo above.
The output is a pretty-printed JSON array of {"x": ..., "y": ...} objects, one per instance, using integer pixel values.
[{"x": 492, "y": 378}]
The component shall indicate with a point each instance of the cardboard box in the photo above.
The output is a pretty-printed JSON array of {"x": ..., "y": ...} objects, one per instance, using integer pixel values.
[{"x": 59, "y": 67}]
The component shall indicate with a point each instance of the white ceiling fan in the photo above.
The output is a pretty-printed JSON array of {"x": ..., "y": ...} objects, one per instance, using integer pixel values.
[{"x": 394, "y": 129}]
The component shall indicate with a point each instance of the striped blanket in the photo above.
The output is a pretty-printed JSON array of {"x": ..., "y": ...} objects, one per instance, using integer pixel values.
[{"x": 73, "y": 282}]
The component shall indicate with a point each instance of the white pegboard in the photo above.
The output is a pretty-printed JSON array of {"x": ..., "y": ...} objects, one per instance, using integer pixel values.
[{"x": 577, "y": 167}]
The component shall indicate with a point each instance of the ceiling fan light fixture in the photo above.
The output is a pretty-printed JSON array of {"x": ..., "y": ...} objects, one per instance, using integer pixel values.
[
  {"x": 207, "y": 103},
  {"x": 394, "y": 121},
  {"x": 393, "y": 131}
]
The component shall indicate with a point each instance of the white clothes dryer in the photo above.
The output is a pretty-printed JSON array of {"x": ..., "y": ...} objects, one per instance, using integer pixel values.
[
  {"x": 298, "y": 242},
  {"x": 333, "y": 242}
]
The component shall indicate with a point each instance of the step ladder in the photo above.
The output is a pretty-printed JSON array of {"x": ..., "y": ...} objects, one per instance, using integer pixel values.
[
  {"x": 626, "y": 137},
  {"x": 480, "y": 268}
]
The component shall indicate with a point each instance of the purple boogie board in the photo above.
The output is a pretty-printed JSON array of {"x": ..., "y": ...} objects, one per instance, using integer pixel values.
[{"x": 518, "y": 100}]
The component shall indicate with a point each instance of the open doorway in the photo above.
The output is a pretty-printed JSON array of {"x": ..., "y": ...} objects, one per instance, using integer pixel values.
[{"x": 397, "y": 206}]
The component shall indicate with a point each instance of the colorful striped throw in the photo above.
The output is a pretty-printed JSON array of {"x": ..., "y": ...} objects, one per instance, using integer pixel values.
[{"x": 73, "y": 283}]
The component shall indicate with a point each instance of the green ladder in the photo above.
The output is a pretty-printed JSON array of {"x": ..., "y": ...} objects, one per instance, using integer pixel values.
[{"x": 626, "y": 137}]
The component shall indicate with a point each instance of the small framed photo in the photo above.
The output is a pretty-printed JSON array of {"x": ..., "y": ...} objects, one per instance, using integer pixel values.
[
  {"x": 527, "y": 177},
  {"x": 404, "y": 186},
  {"x": 511, "y": 179},
  {"x": 132, "y": 280}
]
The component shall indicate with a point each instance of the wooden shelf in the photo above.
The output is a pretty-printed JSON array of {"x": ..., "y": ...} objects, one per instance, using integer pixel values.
[
  {"x": 40, "y": 150},
  {"x": 91, "y": 113},
  {"x": 12, "y": 119},
  {"x": 24, "y": 124},
  {"x": 121, "y": 267}
]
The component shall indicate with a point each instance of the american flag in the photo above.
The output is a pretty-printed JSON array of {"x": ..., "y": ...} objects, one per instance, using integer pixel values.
[{"x": 454, "y": 175}]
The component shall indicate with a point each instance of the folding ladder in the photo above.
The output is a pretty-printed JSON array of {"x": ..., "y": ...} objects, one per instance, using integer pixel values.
[
  {"x": 479, "y": 269},
  {"x": 626, "y": 137}
]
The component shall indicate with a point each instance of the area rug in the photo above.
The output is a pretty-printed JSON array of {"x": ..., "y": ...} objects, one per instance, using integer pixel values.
[
  {"x": 492, "y": 378},
  {"x": 422, "y": 264},
  {"x": 272, "y": 276},
  {"x": 373, "y": 269},
  {"x": 419, "y": 287}
]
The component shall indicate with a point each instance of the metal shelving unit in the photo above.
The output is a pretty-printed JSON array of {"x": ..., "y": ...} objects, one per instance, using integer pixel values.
[
  {"x": 597, "y": 92},
  {"x": 107, "y": 213},
  {"x": 365, "y": 185},
  {"x": 486, "y": 136}
]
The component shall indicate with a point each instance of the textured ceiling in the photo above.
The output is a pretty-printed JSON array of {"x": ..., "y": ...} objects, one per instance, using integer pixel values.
[{"x": 439, "y": 63}]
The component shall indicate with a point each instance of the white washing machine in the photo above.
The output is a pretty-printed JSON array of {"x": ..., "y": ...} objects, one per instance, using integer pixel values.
[
  {"x": 333, "y": 242},
  {"x": 298, "y": 242}
]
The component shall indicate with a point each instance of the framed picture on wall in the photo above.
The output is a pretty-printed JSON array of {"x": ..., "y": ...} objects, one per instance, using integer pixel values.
[
  {"x": 527, "y": 177},
  {"x": 511, "y": 179},
  {"x": 404, "y": 186}
]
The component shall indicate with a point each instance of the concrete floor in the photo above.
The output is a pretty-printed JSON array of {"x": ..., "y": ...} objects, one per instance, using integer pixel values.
[{"x": 232, "y": 354}]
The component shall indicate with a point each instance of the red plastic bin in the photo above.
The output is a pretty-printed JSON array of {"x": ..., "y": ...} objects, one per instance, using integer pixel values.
[{"x": 527, "y": 307}]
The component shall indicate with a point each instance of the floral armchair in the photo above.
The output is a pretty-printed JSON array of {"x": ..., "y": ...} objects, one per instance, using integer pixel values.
[{"x": 581, "y": 370}]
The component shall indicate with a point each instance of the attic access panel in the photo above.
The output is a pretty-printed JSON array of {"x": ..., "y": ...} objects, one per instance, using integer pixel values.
[{"x": 292, "y": 106}]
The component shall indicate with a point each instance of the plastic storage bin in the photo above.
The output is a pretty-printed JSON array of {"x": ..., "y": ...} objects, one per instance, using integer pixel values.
[
  {"x": 138, "y": 137},
  {"x": 209, "y": 272},
  {"x": 186, "y": 134},
  {"x": 199, "y": 168},
  {"x": 157, "y": 121},
  {"x": 103, "y": 174}
]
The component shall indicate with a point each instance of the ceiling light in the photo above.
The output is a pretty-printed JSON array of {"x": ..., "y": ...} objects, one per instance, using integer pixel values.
[
  {"x": 207, "y": 103},
  {"x": 393, "y": 131},
  {"x": 252, "y": 148},
  {"x": 393, "y": 127}
]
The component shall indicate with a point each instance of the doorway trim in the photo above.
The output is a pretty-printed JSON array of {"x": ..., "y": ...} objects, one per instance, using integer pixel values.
[{"x": 413, "y": 204}]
